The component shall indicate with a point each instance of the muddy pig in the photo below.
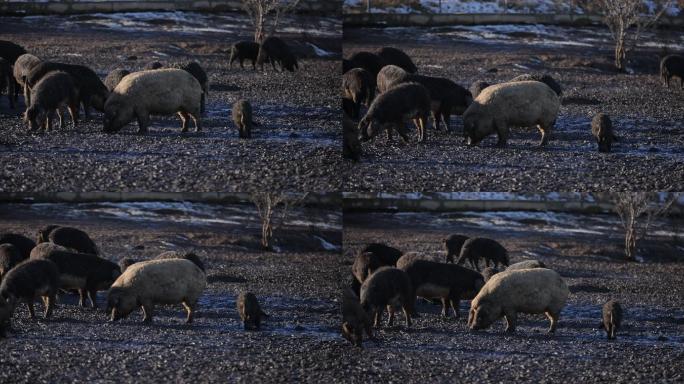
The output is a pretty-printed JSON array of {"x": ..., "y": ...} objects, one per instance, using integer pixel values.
[
  {"x": 84, "y": 272},
  {"x": 182, "y": 255},
  {"x": 518, "y": 104},
  {"x": 351, "y": 145},
  {"x": 275, "y": 50},
  {"x": 126, "y": 262},
  {"x": 244, "y": 50},
  {"x": 157, "y": 92},
  {"x": 354, "y": 319},
  {"x": 477, "y": 248},
  {"x": 672, "y": 66},
  {"x": 68, "y": 237},
  {"x": 448, "y": 282},
  {"x": 358, "y": 85},
  {"x": 477, "y": 87},
  {"x": 9, "y": 258},
  {"x": 7, "y": 81},
  {"x": 391, "y": 110},
  {"x": 24, "y": 64},
  {"x": 196, "y": 70},
  {"x": 612, "y": 318},
  {"x": 53, "y": 92},
  {"x": 397, "y": 57},
  {"x": 526, "y": 264},
  {"x": 242, "y": 118},
  {"x": 23, "y": 243},
  {"x": 488, "y": 272},
  {"x": 27, "y": 281},
  {"x": 366, "y": 60},
  {"x": 249, "y": 310},
  {"x": 389, "y": 76},
  {"x": 541, "y": 77},
  {"x": 532, "y": 291},
  {"x": 144, "y": 284},
  {"x": 387, "y": 287},
  {"x": 602, "y": 129},
  {"x": 41, "y": 250},
  {"x": 453, "y": 245},
  {"x": 114, "y": 78}
]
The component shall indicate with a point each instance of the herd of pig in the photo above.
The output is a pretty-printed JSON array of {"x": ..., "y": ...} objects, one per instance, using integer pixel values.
[
  {"x": 387, "y": 83},
  {"x": 384, "y": 277},
  {"x": 66, "y": 259},
  {"x": 126, "y": 96}
]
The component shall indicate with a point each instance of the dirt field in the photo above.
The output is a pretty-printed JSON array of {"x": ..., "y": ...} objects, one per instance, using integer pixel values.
[
  {"x": 647, "y": 117},
  {"x": 296, "y": 287},
  {"x": 296, "y": 146},
  {"x": 586, "y": 251}
]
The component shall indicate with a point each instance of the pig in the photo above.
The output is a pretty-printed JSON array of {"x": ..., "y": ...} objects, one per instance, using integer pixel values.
[
  {"x": 43, "y": 234},
  {"x": 358, "y": 85},
  {"x": 158, "y": 92},
  {"x": 275, "y": 50},
  {"x": 409, "y": 257},
  {"x": 7, "y": 81},
  {"x": 249, "y": 310},
  {"x": 84, "y": 272},
  {"x": 477, "y": 248},
  {"x": 9, "y": 258},
  {"x": 23, "y": 243},
  {"x": 488, "y": 272},
  {"x": 365, "y": 263},
  {"x": 450, "y": 283},
  {"x": 244, "y": 50},
  {"x": 153, "y": 65},
  {"x": 242, "y": 118},
  {"x": 126, "y": 262},
  {"x": 388, "y": 287},
  {"x": 182, "y": 255},
  {"x": 393, "y": 108},
  {"x": 518, "y": 104},
  {"x": 114, "y": 78},
  {"x": 526, "y": 264},
  {"x": 196, "y": 70},
  {"x": 366, "y": 60},
  {"x": 24, "y": 64},
  {"x": 612, "y": 317},
  {"x": 354, "y": 319},
  {"x": 27, "y": 281},
  {"x": 53, "y": 92},
  {"x": 68, "y": 237},
  {"x": 389, "y": 76},
  {"x": 672, "y": 66},
  {"x": 541, "y": 77},
  {"x": 477, "y": 87},
  {"x": 41, "y": 250},
  {"x": 397, "y": 57},
  {"x": 532, "y": 291},
  {"x": 453, "y": 245},
  {"x": 351, "y": 145},
  {"x": 11, "y": 52},
  {"x": 144, "y": 284},
  {"x": 602, "y": 129},
  {"x": 386, "y": 254},
  {"x": 91, "y": 90}
]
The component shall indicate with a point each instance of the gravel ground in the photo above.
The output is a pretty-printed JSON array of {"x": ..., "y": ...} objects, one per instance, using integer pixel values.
[
  {"x": 647, "y": 117},
  {"x": 585, "y": 250},
  {"x": 295, "y": 287},
  {"x": 296, "y": 145}
]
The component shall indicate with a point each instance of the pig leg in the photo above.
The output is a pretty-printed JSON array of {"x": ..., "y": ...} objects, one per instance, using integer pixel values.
[
  {"x": 436, "y": 116},
  {"x": 502, "y": 132},
  {"x": 196, "y": 120},
  {"x": 82, "y": 297},
  {"x": 143, "y": 120},
  {"x": 544, "y": 134},
  {"x": 73, "y": 112},
  {"x": 377, "y": 317},
  {"x": 50, "y": 304},
  {"x": 32, "y": 312},
  {"x": 189, "y": 308},
  {"x": 184, "y": 121},
  {"x": 407, "y": 314},
  {"x": 92, "y": 295},
  {"x": 445, "y": 313},
  {"x": 455, "y": 300},
  {"x": 423, "y": 127},
  {"x": 401, "y": 128},
  {"x": 554, "y": 320},
  {"x": 61, "y": 118},
  {"x": 511, "y": 318},
  {"x": 147, "y": 312},
  {"x": 390, "y": 309}
]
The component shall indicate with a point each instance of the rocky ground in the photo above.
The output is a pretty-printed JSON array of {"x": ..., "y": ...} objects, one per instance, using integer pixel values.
[
  {"x": 647, "y": 116},
  {"x": 296, "y": 146},
  {"x": 586, "y": 251},
  {"x": 296, "y": 287}
]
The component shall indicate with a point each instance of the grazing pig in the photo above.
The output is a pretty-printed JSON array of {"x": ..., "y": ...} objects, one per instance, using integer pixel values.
[
  {"x": 541, "y": 77},
  {"x": 526, "y": 264},
  {"x": 53, "y": 92},
  {"x": 519, "y": 104},
  {"x": 366, "y": 60},
  {"x": 43, "y": 249},
  {"x": 126, "y": 262},
  {"x": 157, "y": 92},
  {"x": 152, "y": 65},
  {"x": 489, "y": 272},
  {"x": 354, "y": 319},
  {"x": 477, "y": 87},
  {"x": 602, "y": 129},
  {"x": 91, "y": 90},
  {"x": 244, "y": 50},
  {"x": 453, "y": 245},
  {"x": 672, "y": 66},
  {"x": 358, "y": 85},
  {"x": 196, "y": 70},
  {"x": 533, "y": 291},
  {"x": 9, "y": 258},
  {"x": 386, "y": 254},
  {"x": 84, "y": 272},
  {"x": 393, "y": 108},
  {"x": 249, "y": 310},
  {"x": 27, "y": 281},
  {"x": 68, "y": 237},
  {"x": 114, "y": 78},
  {"x": 387, "y": 287},
  {"x": 351, "y": 145},
  {"x": 612, "y": 317},
  {"x": 397, "y": 57},
  {"x": 23, "y": 243},
  {"x": 389, "y": 76},
  {"x": 7, "y": 81},
  {"x": 242, "y": 118},
  {"x": 477, "y": 248},
  {"x": 24, "y": 64},
  {"x": 275, "y": 50},
  {"x": 182, "y": 255},
  {"x": 147, "y": 283}
]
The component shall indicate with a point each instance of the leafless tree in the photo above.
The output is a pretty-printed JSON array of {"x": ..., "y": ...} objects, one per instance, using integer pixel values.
[
  {"x": 273, "y": 208},
  {"x": 637, "y": 210},
  {"x": 621, "y": 15},
  {"x": 265, "y": 12}
]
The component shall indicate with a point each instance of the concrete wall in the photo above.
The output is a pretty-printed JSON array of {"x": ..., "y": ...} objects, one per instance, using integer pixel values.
[{"x": 328, "y": 7}]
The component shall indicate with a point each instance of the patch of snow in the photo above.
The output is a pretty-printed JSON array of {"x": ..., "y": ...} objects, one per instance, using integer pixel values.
[
  {"x": 327, "y": 245},
  {"x": 320, "y": 52}
]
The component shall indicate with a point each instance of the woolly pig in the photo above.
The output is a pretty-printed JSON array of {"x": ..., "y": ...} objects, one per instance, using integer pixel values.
[
  {"x": 9, "y": 258},
  {"x": 387, "y": 287},
  {"x": 477, "y": 87},
  {"x": 392, "y": 109},
  {"x": 249, "y": 310},
  {"x": 354, "y": 319},
  {"x": 24, "y": 64},
  {"x": 672, "y": 66},
  {"x": 526, "y": 264},
  {"x": 53, "y": 92},
  {"x": 244, "y": 50},
  {"x": 453, "y": 245},
  {"x": 68, "y": 237},
  {"x": 114, "y": 78},
  {"x": 397, "y": 57},
  {"x": 532, "y": 291},
  {"x": 477, "y": 248},
  {"x": 541, "y": 77},
  {"x": 275, "y": 50},
  {"x": 358, "y": 85},
  {"x": 147, "y": 283},
  {"x": 389, "y": 76},
  {"x": 518, "y": 104},
  {"x": 242, "y": 118},
  {"x": 182, "y": 255},
  {"x": 7, "y": 81},
  {"x": 23, "y": 243},
  {"x": 366, "y": 60},
  {"x": 351, "y": 146},
  {"x": 612, "y": 318},
  {"x": 41, "y": 250},
  {"x": 156, "y": 92},
  {"x": 29, "y": 280},
  {"x": 602, "y": 129}
]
